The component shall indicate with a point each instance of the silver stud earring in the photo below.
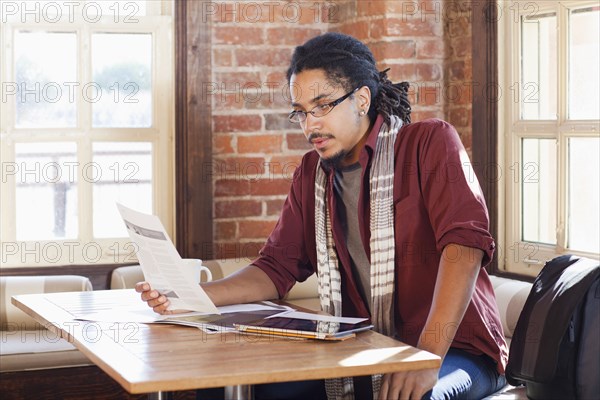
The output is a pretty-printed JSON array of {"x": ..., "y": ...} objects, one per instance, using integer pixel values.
[{"x": 362, "y": 112}]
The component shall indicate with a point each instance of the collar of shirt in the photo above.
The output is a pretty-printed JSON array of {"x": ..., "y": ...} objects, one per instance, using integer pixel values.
[{"x": 369, "y": 149}]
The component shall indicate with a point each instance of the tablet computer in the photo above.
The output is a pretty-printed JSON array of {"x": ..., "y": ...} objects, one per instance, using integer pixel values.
[{"x": 303, "y": 328}]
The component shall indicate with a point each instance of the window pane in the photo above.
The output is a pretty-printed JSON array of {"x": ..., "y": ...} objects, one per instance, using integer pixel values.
[
  {"x": 45, "y": 66},
  {"x": 538, "y": 188},
  {"x": 584, "y": 194},
  {"x": 584, "y": 58},
  {"x": 124, "y": 176},
  {"x": 122, "y": 75},
  {"x": 539, "y": 67},
  {"x": 46, "y": 191}
]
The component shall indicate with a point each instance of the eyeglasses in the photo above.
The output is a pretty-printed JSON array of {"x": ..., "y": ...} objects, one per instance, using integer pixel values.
[{"x": 318, "y": 111}]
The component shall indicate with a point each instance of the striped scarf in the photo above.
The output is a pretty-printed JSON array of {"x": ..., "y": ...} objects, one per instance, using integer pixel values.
[{"x": 381, "y": 186}]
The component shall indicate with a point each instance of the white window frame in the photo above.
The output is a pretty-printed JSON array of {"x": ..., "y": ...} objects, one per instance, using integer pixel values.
[
  {"x": 515, "y": 255},
  {"x": 87, "y": 250}
]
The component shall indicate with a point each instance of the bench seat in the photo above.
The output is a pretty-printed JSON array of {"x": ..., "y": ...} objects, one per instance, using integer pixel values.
[{"x": 25, "y": 344}]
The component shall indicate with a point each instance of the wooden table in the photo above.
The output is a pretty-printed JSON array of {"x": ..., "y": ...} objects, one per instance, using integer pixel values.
[{"x": 155, "y": 358}]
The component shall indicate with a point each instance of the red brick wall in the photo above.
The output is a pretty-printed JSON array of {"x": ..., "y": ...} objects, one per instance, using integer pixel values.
[
  {"x": 406, "y": 38},
  {"x": 458, "y": 84},
  {"x": 427, "y": 43},
  {"x": 255, "y": 148}
]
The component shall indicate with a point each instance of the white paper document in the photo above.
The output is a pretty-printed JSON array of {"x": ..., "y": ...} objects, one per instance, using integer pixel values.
[
  {"x": 163, "y": 267},
  {"x": 143, "y": 314}
]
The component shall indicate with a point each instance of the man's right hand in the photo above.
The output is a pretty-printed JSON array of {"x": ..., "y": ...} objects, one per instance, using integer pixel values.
[
  {"x": 157, "y": 301},
  {"x": 247, "y": 285}
]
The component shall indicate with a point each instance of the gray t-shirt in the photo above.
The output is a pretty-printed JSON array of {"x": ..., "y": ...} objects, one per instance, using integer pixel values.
[{"x": 347, "y": 185}]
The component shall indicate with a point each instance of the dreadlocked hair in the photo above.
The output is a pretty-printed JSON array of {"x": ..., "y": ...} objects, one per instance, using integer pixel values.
[{"x": 349, "y": 63}]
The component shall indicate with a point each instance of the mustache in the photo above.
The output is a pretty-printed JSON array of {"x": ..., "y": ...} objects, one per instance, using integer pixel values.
[{"x": 317, "y": 135}]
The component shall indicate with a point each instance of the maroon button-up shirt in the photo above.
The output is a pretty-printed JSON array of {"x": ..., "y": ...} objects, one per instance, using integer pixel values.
[{"x": 437, "y": 201}]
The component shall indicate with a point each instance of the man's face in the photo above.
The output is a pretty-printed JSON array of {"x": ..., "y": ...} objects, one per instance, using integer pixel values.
[{"x": 338, "y": 136}]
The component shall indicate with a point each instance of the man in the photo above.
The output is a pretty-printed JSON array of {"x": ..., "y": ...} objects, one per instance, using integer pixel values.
[{"x": 406, "y": 252}]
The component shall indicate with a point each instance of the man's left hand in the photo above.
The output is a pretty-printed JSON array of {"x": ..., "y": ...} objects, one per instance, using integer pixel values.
[{"x": 408, "y": 384}]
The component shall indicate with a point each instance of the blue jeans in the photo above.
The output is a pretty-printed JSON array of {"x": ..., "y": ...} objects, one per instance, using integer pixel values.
[
  {"x": 462, "y": 376},
  {"x": 466, "y": 376}
]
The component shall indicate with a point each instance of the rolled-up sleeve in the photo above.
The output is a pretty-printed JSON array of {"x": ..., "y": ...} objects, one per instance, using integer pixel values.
[{"x": 451, "y": 192}]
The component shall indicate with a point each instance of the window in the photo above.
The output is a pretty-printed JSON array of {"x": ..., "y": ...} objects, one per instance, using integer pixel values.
[
  {"x": 549, "y": 57},
  {"x": 86, "y": 122}
]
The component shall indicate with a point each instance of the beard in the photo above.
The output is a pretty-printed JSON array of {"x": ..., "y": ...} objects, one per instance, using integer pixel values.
[{"x": 335, "y": 161}]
